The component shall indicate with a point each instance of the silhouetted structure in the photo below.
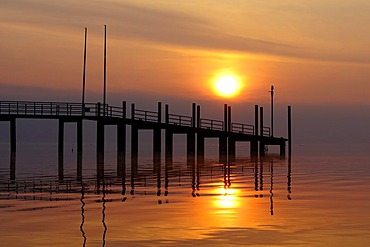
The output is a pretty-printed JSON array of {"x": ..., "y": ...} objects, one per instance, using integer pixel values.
[{"x": 196, "y": 128}]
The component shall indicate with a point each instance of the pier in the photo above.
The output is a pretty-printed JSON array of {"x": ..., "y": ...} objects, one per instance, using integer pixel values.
[{"x": 196, "y": 129}]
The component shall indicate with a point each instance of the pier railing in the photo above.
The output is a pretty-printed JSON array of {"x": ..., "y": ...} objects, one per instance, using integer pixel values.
[
  {"x": 206, "y": 123},
  {"x": 29, "y": 108},
  {"x": 59, "y": 109},
  {"x": 180, "y": 120},
  {"x": 148, "y": 116},
  {"x": 242, "y": 128},
  {"x": 266, "y": 131}
]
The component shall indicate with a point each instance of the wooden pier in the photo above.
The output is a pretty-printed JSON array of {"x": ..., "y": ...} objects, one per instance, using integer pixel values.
[{"x": 196, "y": 129}]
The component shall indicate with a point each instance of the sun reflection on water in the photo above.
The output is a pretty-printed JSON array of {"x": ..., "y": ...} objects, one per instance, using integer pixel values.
[{"x": 226, "y": 199}]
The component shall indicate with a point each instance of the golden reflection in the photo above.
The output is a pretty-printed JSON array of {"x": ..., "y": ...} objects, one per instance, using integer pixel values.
[{"x": 227, "y": 198}]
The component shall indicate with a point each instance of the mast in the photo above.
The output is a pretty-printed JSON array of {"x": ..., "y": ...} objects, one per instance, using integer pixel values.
[
  {"x": 84, "y": 75},
  {"x": 105, "y": 68}
]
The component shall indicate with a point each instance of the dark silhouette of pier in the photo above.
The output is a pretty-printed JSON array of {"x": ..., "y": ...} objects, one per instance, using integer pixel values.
[{"x": 196, "y": 129}]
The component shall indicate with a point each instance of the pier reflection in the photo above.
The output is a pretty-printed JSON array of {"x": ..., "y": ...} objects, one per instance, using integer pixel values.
[{"x": 228, "y": 187}]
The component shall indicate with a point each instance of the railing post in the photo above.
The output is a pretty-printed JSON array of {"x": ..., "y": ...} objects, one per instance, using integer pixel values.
[
  {"x": 198, "y": 116},
  {"x": 34, "y": 108},
  {"x": 193, "y": 115},
  {"x": 256, "y": 120},
  {"x": 98, "y": 106},
  {"x": 124, "y": 109},
  {"x": 25, "y": 109},
  {"x": 225, "y": 117},
  {"x": 229, "y": 118},
  {"x": 159, "y": 112},
  {"x": 166, "y": 112},
  {"x": 133, "y": 111}
]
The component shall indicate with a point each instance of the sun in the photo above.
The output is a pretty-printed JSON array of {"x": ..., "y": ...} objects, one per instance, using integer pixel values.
[{"x": 227, "y": 85}]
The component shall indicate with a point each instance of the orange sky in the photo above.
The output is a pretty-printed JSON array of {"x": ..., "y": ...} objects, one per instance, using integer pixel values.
[{"x": 312, "y": 51}]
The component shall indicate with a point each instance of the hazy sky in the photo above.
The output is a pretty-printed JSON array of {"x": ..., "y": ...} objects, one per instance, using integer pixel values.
[{"x": 315, "y": 52}]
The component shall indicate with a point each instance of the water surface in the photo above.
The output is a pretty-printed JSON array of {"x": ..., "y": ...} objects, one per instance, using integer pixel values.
[{"x": 319, "y": 197}]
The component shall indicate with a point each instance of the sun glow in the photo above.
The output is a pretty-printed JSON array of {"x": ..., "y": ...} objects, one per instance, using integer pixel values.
[{"x": 227, "y": 85}]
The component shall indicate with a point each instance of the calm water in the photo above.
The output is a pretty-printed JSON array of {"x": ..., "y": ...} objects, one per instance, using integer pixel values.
[{"x": 318, "y": 198}]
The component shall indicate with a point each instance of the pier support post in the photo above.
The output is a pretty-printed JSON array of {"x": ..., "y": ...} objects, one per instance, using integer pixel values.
[
  {"x": 190, "y": 141},
  {"x": 157, "y": 145},
  {"x": 100, "y": 149},
  {"x": 282, "y": 149},
  {"x": 157, "y": 137},
  {"x": 168, "y": 146},
  {"x": 60, "y": 149},
  {"x": 262, "y": 144},
  {"x": 13, "y": 148},
  {"x": 134, "y": 149},
  {"x": 232, "y": 149},
  {"x": 222, "y": 151},
  {"x": 254, "y": 148},
  {"x": 79, "y": 149},
  {"x": 200, "y": 148},
  {"x": 121, "y": 149}
]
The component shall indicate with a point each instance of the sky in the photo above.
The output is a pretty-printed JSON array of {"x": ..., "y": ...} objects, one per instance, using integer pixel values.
[{"x": 314, "y": 53}]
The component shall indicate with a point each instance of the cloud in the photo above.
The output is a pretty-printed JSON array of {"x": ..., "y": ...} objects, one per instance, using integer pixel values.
[{"x": 157, "y": 25}]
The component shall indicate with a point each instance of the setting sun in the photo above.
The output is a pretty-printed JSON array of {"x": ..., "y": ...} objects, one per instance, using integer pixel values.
[{"x": 227, "y": 85}]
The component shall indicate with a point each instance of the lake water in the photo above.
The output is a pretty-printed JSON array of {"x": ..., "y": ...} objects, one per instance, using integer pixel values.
[{"x": 319, "y": 197}]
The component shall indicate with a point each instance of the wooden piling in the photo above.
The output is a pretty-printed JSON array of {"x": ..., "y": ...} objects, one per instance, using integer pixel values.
[
  {"x": 231, "y": 149},
  {"x": 222, "y": 151},
  {"x": 157, "y": 137},
  {"x": 200, "y": 148},
  {"x": 60, "y": 149},
  {"x": 121, "y": 148},
  {"x": 79, "y": 149},
  {"x": 134, "y": 149},
  {"x": 190, "y": 141},
  {"x": 168, "y": 146},
  {"x": 121, "y": 143},
  {"x": 100, "y": 139}
]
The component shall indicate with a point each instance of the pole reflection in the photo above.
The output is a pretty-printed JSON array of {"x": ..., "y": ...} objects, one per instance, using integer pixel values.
[{"x": 83, "y": 214}]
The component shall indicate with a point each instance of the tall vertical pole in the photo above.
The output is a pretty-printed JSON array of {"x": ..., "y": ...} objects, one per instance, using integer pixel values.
[
  {"x": 229, "y": 119},
  {"x": 225, "y": 117},
  {"x": 272, "y": 110},
  {"x": 84, "y": 75},
  {"x": 105, "y": 68},
  {"x": 193, "y": 114},
  {"x": 289, "y": 130}
]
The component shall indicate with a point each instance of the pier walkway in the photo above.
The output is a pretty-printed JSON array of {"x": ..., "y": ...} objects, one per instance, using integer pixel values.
[{"x": 195, "y": 127}]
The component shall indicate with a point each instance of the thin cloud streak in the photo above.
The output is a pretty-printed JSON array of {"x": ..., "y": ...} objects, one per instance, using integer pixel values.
[{"x": 163, "y": 27}]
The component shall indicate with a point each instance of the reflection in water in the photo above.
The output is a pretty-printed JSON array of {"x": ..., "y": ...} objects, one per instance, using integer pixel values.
[
  {"x": 103, "y": 214},
  {"x": 271, "y": 186},
  {"x": 83, "y": 214},
  {"x": 289, "y": 176},
  {"x": 227, "y": 195}
]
